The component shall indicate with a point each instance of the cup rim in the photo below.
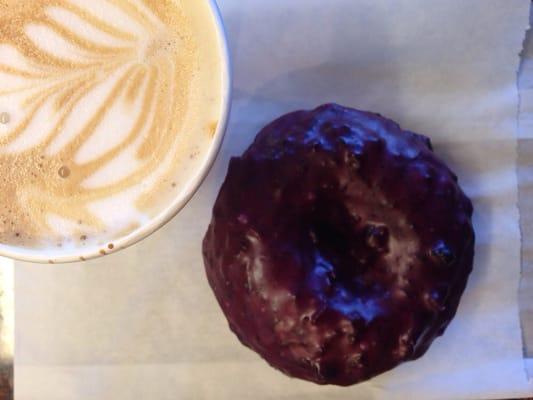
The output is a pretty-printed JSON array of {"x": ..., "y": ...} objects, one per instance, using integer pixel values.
[{"x": 168, "y": 213}]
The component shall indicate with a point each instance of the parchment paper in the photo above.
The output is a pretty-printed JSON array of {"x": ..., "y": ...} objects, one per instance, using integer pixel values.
[
  {"x": 525, "y": 194},
  {"x": 143, "y": 324},
  {"x": 7, "y": 328}
]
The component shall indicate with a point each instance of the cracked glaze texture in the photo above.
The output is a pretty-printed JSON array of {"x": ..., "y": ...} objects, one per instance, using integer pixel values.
[{"x": 339, "y": 245}]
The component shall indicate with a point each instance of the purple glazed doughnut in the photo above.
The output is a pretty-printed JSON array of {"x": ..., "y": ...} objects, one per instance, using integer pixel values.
[{"x": 339, "y": 245}]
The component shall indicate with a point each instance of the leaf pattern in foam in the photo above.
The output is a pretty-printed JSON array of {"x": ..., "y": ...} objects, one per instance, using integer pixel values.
[{"x": 99, "y": 88}]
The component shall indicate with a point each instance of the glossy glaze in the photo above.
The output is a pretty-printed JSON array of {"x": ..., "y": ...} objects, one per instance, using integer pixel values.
[{"x": 339, "y": 245}]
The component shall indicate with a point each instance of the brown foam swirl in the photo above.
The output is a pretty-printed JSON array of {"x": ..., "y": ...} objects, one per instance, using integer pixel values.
[{"x": 148, "y": 70}]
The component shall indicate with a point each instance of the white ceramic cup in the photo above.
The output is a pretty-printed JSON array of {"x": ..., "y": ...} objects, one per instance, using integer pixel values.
[{"x": 89, "y": 252}]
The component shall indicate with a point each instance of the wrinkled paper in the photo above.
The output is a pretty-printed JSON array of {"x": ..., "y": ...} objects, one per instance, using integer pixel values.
[
  {"x": 525, "y": 194},
  {"x": 143, "y": 324}
]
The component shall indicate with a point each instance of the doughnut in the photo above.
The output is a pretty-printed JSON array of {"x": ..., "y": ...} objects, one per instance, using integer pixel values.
[{"x": 339, "y": 245}]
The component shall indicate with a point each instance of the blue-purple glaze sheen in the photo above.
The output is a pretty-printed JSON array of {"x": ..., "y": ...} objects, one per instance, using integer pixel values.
[{"x": 339, "y": 245}]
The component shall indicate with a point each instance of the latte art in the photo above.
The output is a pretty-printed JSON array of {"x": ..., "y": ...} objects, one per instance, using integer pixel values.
[{"x": 107, "y": 108}]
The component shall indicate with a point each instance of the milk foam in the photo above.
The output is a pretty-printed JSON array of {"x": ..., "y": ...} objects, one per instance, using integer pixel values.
[{"x": 108, "y": 109}]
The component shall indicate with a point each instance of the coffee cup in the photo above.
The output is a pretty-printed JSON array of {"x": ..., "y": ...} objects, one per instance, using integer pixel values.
[{"x": 111, "y": 115}]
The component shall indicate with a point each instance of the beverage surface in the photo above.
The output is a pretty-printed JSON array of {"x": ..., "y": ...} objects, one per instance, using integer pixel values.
[{"x": 107, "y": 110}]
